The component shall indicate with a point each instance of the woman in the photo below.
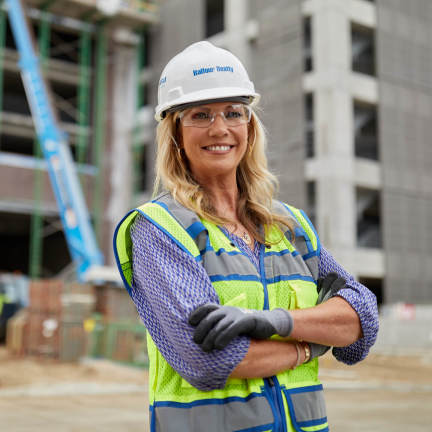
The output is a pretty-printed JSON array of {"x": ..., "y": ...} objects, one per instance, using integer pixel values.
[{"x": 216, "y": 266}]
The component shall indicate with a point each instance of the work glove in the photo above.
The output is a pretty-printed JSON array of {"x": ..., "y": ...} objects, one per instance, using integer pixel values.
[
  {"x": 317, "y": 350},
  {"x": 327, "y": 287},
  {"x": 216, "y": 325}
]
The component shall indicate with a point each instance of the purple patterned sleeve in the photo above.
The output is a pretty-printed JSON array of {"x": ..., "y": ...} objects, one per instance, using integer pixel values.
[
  {"x": 168, "y": 284},
  {"x": 363, "y": 301}
]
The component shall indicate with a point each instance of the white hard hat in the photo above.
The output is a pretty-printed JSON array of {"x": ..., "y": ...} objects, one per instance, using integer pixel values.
[{"x": 203, "y": 72}]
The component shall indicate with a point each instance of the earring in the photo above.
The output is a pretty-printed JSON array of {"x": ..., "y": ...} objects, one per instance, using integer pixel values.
[{"x": 177, "y": 148}]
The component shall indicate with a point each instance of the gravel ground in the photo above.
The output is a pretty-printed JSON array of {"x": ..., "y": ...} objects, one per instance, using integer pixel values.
[{"x": 385, "y": 393}]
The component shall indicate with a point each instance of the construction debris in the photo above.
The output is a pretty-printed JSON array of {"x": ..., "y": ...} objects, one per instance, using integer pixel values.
[{"x": 67, "y": 322}]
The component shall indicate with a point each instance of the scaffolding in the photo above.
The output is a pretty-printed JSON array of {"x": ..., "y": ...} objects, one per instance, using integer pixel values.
[
  {"x": 99, "y": 125},
  {"x": 36, "y": 228},
  {"x": 73, "y": 38},
  {"x": 138, "y": 147}
]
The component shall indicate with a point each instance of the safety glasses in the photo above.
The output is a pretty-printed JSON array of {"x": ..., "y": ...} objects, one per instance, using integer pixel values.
[{"x": 203, "y": 116}]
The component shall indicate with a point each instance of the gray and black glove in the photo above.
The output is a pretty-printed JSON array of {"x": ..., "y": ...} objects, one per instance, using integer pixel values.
[
  {"x": 327, "y": 287},
  {"x": 216, "y": 325}
]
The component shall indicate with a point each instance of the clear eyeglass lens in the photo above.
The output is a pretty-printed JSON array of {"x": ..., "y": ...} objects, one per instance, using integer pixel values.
[{"x": 233, "y": 115}]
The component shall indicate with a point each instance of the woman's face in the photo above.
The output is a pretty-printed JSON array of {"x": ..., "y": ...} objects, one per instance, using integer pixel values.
[{"x": 215, "y": 150}]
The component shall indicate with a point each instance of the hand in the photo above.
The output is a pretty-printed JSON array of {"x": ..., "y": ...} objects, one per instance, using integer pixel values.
[
  {"x": 317, "y": 350},
  {"x": 328, "y": 286},
  {"x": 217, "y": 326}
]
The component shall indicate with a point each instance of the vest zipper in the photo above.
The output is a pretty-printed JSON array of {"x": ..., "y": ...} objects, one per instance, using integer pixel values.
[
  {"x": 275, "y": 396},
  {"x": 279, "y": 403},
  {"x": 276, "y": 402},
  {"x": 280, "y": 420},
  {"x": 273, "y": 401}
]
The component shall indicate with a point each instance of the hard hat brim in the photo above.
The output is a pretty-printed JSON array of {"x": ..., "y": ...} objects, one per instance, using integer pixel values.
[{"x": 205, "y": 95}]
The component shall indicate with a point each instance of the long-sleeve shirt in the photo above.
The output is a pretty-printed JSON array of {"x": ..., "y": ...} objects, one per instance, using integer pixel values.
[{"x": 168, "y": 284}]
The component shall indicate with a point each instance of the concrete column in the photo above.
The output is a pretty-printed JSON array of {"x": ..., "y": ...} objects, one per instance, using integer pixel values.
[
  {"x": 334, "y": 155},
  {"x": 236, "y": 18},
  {"x": 123, "y": 116}
]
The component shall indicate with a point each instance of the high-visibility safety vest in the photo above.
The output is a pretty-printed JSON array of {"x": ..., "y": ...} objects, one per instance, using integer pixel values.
[{"x": 290, "y": 401}]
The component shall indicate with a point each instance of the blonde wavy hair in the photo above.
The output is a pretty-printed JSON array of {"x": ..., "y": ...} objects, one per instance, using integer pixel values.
[{"x": 256, "y": 184}]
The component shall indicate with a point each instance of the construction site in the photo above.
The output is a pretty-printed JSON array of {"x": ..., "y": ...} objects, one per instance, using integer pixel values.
[
  {"x": 60, "y": 64},
  {"x": 78, "y": 87},
  {"x": 72, "y": 83}
]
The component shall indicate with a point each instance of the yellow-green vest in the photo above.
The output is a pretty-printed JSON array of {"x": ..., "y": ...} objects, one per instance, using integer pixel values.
[{"x": 291, "y": 401}]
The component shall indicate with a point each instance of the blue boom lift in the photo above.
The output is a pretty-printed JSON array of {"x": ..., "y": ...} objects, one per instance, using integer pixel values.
[{"x": 75, "y": 218}]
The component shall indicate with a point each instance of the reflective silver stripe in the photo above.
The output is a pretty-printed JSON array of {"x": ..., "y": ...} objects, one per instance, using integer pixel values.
[
  {"x": 299, "y": 242},
  {"x": 279, "y": 208},
  {"x": 286, "y": 264},
  {"x": 225, "y": 264},
  {"x": 306, "y": 406},
  {"x": 214, "y": 417},
  {"x": 185, "y": 216},
  {"x": 220, "y": 265},
  {"x": 312, "y": 264}
]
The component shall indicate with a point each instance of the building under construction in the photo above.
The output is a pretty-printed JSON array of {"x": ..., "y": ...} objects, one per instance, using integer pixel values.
[
  {"x": 93, "y": 56},
  {"x": 346, "y": 98}
]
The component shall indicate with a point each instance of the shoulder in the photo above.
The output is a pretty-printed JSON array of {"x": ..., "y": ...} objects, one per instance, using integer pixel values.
[
  {"x": 142, "y": 227},
  {"x": 303, "y": 227},
  {"x": 171, "y": 218},
  {"x": 297, "y": 215},
  {"x": 165, "y": 204}
]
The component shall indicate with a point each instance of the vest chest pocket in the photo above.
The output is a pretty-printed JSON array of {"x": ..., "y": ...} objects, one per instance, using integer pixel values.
[
  {"x": 238, "y": 301},
  {"x": 292, "y": 294},
  {"x": 242, "y": 294},
  {"x": 307, "y": 408},
  {"x": 305, "y": 293}
]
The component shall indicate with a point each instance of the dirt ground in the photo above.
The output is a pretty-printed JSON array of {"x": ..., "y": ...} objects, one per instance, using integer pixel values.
[
  {"x": 95, "y": 395},
  {"x": 383, "y": 393}
]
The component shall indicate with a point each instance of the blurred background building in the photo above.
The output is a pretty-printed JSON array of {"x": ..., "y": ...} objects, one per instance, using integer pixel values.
[
  {"x": 346, "y": 99},
  {"x": 92, "y": 53}
]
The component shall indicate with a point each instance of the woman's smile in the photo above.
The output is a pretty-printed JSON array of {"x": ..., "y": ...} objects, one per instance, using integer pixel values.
[{"x": 218, "y": 148}]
